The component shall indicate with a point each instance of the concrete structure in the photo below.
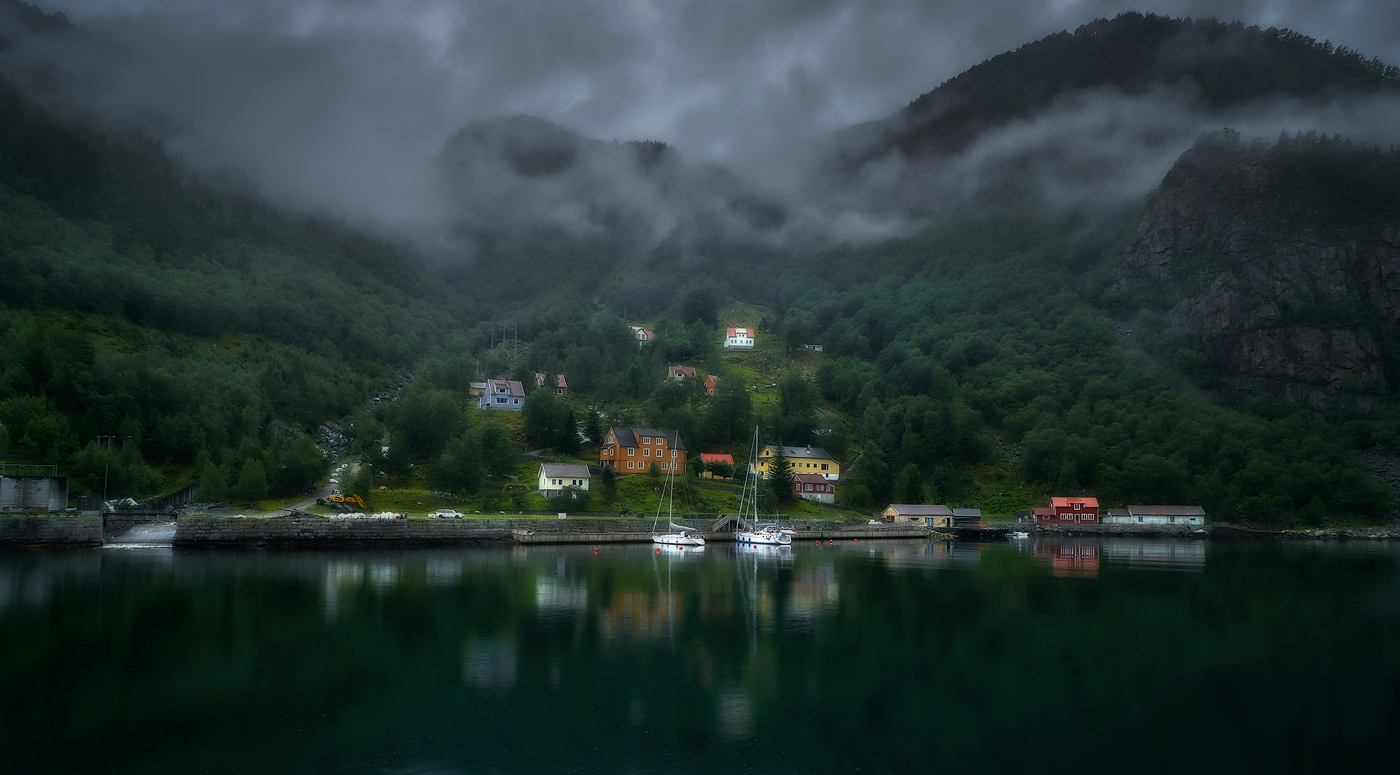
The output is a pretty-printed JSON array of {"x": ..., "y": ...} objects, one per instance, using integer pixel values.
[
  {"x": 1156, "y": 515},
  {"x": 918, "y": 514},
  {"x": 814, "y": 487},
  {"x": 633, "y": 450},
  {"x": 561, "y": 385},
  {"x": 556, "y": 477},
  {"x": 502, "y": 394},
  {"x": 1076, "y": 509},
  {"x": 739, "y": 339},
  {"x": 32, "y": 489},
  {"x": 803, "y": 460},
  {"x": 69, "y": 531}
]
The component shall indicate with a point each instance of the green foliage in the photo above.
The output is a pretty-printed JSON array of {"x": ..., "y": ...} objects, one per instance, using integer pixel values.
[
  {"x": 497, "y": 453},
  {"x": 423, "y": 419},
  {"x": 571, "y": 498},
  {"x": 780, "y": 475},
  {"x": 460, "y": 468},
  {"x": 213, "y": 485},
  {"x": 252, "y": 481},
  {"x": 550, "y": 422},
  {"x": 609, "y": 481},
  {"x": 908, "y": 485}
]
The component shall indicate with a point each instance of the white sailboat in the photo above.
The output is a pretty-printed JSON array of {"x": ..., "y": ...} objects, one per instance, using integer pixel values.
[
  {"x": 676, "y": 535},
  {"x": 750, "y": 531}
]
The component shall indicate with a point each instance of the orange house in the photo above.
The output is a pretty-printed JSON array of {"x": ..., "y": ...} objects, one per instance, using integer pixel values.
[{"x": 633, "y": 450}]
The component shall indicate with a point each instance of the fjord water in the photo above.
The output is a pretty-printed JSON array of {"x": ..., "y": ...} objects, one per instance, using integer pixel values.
[{"x": 1059, "y": 655}]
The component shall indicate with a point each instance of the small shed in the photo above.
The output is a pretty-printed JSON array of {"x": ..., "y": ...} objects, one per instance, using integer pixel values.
[
  {"x": 967, "y": 517},
  {"x": 813, "y": 487}
]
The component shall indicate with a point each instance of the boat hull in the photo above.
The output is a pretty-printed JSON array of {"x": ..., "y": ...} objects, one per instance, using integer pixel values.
[
  {"x": 763, "y": 539},
  {"x": 676, "y": 539}
]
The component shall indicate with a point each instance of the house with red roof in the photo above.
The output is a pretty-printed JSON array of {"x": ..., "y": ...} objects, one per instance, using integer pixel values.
[
  {"x": 739, "y": 339},
  {"x": 561, "y": 385},
  {"x": 813, "y": 487},
  {"x": 1071, "y": 510},
  {"x": 711, "y": 384},
  {"x": 502, "y": 394},
  {"x": 715, "y": 457},
  {"x": 681, "y": 372},
  {"x": 641, "y": 335}
]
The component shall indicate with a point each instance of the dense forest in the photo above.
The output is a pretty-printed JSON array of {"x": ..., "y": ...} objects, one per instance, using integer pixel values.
[{"x": 159, "y": 329}]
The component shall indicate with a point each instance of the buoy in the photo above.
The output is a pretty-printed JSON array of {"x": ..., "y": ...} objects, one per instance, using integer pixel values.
[
  {"x": 682, "y": 548},
  {"x": 658, "y": 550},
  {"x": 595, "y": 550},
  {"x": 855, "y": 540},
  {"x": 818, "y": 543},
  {"x": 832, "y": 541}
]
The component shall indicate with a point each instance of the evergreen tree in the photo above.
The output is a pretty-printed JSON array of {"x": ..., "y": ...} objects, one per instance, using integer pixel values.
[
  {"x": 592, "y": 427},
  {"x": 212, "y": 486},
  {"x": 609, "y": 478},
  {"x": 780, "y": 475},
  {"x": 397, "y": 462},
  {"x": 908, "y": 487},
  {"x": 497, "y": 453},
  {"x": 252, "y": 482},
  {"x": 459, "y": 468}
]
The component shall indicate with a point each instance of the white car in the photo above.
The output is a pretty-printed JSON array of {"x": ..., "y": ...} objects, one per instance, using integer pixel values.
[{"x": 448, "y": 513}]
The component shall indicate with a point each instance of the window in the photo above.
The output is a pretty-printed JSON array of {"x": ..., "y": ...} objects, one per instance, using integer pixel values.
[
  {"x": 646, "y": 439},
  {"x": 646, "y": 452},
  {"x": 673, "y": 453},
  {"x": 630, "y": 452},
  {"x": 516, "y": 401},
  {"x": 824, "y": 465},
  {"x": 629, "y": 464}
]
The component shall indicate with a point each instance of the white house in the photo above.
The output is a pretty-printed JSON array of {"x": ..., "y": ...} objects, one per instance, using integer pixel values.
[
  {"x": 739, "y": 339},
  {"x": 641, "y": 335},
  {"x": 502, "y": 394},
  {"x": 1157, "y": 515},
  {"x": 555, "y": 477}
]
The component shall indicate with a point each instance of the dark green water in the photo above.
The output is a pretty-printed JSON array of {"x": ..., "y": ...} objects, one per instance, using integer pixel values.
[{"x": 1059, "y": 656}]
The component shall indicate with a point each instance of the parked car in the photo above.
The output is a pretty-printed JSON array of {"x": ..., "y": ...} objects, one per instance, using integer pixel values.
[{"x": 453, "y": 513}]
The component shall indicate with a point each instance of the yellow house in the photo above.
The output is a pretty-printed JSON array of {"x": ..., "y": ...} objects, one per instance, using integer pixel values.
[{"x": 802, "y": 460}]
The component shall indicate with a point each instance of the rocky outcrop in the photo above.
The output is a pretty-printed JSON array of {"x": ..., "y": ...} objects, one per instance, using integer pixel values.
[{"x": 1275, "y": 295}]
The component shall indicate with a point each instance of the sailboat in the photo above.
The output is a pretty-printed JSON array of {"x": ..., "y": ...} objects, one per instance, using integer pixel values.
[
  {"x": 676, "y": 535},
  {"x": 750, "y": 532}
]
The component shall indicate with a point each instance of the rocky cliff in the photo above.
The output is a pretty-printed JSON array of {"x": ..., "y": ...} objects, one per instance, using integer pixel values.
[{"x": 1278, "y": 267}]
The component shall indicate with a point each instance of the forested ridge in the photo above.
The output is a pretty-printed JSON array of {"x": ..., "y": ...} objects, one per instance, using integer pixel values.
[{"x": 161, "y": 328}]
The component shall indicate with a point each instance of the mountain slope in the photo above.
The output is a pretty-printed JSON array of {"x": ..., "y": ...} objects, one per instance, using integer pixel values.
[{"x": 1277, "y": 268}]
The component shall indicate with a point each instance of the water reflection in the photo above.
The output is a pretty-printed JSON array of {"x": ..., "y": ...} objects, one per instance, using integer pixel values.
[{"x": 644, "y": 661}]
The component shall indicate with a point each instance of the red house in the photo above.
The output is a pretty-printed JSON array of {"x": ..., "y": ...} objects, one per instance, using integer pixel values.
[
  {"x": 1068, "y": 511},
  {"x": 814, "y": 487}
]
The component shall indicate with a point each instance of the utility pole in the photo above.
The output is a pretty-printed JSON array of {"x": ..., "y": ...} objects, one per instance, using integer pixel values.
[{"x": 106, "y": 465}]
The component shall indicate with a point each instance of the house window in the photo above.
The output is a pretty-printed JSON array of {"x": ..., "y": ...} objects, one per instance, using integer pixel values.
[
  {"x": 646, "y": 439},
  {"x": 500, "y": 400},
  {"x": 646, "y": 451},
  {"x": 824, "y": 466},
  {"x": 516, "y": 402},
  {"x": 629, "y": 464},
  {"x": 673, "y": 453},
  {"x": 631, "y": 451}
]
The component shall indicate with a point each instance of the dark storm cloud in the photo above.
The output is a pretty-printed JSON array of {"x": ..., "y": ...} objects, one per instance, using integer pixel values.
[{"x": 345, "y": 104}]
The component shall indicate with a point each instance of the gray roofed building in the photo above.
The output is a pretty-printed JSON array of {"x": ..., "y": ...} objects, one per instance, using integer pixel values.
[
  {"x": 634, "y": 450},
  {"x": 557, "y": 477},
  {"x": 917, "y": 514}
]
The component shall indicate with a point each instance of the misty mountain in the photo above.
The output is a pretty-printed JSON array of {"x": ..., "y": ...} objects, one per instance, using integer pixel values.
[
  {"x": 1271, "y": 269},
  {"x": 523, "y": 191},
  {"x": 1102, "y": 113}
]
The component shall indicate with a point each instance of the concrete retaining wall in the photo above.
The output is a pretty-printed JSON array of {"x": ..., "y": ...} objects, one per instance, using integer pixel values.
[
  {"x": 223, "y": 531},
  {"x": 69, "y": 531}
]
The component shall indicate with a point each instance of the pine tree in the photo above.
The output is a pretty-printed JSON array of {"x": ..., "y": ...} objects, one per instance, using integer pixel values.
[
  {"x": 252, "y": 481},
  {"x": 609, "y": 483},
  {"x": 780, "y": 474},
  {"x": 593, "y": 426},
  {"x": 212, "y": 486}
]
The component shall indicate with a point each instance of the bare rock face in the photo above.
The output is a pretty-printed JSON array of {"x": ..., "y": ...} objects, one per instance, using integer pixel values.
[{"x": 1275, "y": 294}]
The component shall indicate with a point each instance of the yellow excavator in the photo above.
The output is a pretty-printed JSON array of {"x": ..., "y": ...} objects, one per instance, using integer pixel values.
[{"x": 345, "y": 503}]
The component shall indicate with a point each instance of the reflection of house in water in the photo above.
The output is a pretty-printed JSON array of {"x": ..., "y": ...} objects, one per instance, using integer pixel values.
[
  {"x": 443, "y": 573},
  {"x": 934, "y": 554},
  {"x": 489, "y": 663},
  {"x": 639, "y": 615},
  {"x": 1157, "y": 553},
  {"x": 812, "y": 591},
  {"x": 552, "y": 594},
  {"x": 1069, "y": 558}
]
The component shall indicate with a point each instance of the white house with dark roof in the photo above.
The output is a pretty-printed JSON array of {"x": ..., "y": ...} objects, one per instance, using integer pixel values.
[
  {"x": 1156, "y": 515},
  {"x": 739, "y": 339},
  {"x": 502, "y": 394},
  {"x": 557, "y": 477}
]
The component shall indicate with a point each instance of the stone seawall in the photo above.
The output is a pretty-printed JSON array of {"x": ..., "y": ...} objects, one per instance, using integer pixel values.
[
  {"x": 223, "y": 531},
  {"x": 1141, "y": 531},
  {"x": 290, "y": 531},
  {"x": 66, "y": 531}
]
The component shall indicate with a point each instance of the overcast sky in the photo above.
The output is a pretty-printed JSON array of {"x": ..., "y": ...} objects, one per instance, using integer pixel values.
[{"x": 329, "y": 97}]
